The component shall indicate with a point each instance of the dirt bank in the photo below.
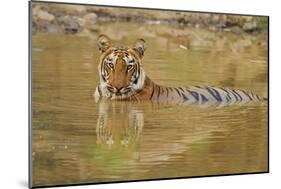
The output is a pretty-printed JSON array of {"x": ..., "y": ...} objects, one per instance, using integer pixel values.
[{"x": 63, "y": 18}]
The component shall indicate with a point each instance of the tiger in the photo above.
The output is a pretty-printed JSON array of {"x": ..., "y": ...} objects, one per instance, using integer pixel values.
[{"x": 122, "y": 77}]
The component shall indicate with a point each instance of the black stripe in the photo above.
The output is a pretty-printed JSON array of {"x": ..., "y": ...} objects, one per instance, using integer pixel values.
[
  {"x": 257, "y": 96},
  {"x": 184, "y": 97},
  {"x": 194, "y": 94},
  {"x": 182, "y": 94},
  {"x": 105, "y": 71},
  {"x": 101, "y": 66},
  {"x": 234, "y": 96},
  {"x": 204, "y": 99},
  {"x": 254, "y": 95},
  {"x": 178, "y": 92},
  {"x": 136, "y": 80},
  {"x": 251, "y": 93},
  {"x": 103, "y": 78},
  {"x": 216, "y": 95},
  {"x": 181, "y": 89},
  {"x": 250, "y": 98},
  {"x": 99, "y": 90},
  {"x": 103, "y": 62},
  {"x": 228, "y": 97},
  {"x": 152, "y": 93},
  {"x": 167, "y": 92},
  {"x": 158, "y": 92},
  {"x": 237, "y": 94}
]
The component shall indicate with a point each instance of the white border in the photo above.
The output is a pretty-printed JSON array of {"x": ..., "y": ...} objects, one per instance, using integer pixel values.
[{"x": 14, "y": 92}]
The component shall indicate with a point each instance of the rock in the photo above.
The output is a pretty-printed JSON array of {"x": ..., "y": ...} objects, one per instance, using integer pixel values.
[
  {"x": 215, "y": 18},
  {"x": 53, "y": 28},
  {"x": 250, "y": 26},
  {"x": 248, "y": 18},
  {"x": 56, "y": 11},
  {"x": 70, "y": 24},
  {"x": 43, "y": 15},
  {"x": 58, "y": 18},
  {"x": 183, "y": 47},
  {"x": 74, "y": 9},
  {"x": 236, "y": 29},
  {"x": 89, "y": 21},
  {"x": 213, "y": 27},
  {"x": 46, "y": 26},
  {"x": 91, "y": 18}
]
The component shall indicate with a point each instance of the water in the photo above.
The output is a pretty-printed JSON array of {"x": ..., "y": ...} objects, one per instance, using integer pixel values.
[{"x": 76, "y": 140}]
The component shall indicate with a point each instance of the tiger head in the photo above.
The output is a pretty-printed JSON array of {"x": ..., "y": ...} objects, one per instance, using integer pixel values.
[{"x": 120, "y": 71}]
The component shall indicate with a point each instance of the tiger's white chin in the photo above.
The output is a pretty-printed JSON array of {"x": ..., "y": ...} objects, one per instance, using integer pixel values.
[{"x": 102, "y": 91}]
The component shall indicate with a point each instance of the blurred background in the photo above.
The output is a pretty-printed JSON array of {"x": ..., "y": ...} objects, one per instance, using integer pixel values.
[{"x": 58, "y": 18}]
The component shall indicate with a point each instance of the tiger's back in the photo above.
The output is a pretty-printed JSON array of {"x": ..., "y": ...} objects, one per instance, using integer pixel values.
[{"x": 195, "y": 94}]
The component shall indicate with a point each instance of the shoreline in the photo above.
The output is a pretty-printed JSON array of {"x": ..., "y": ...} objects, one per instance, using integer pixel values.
[{"x": 62, "y": 18}]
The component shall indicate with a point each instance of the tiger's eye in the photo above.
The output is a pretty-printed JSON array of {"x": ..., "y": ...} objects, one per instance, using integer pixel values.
[{"x": 129, "y": 67}]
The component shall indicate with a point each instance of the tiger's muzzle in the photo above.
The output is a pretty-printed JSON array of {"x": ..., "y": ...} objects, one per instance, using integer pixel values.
[{"x": 118, "y": 91}]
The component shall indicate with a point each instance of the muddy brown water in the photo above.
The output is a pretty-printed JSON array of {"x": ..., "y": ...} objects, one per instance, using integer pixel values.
[{"x": 76, "y": 140}]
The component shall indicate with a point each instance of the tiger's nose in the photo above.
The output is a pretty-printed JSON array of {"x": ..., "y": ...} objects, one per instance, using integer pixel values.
[{"x": 118, "y": 89}]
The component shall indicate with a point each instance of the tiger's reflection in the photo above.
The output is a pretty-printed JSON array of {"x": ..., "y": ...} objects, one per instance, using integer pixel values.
[{"x": 119, "y": 123}]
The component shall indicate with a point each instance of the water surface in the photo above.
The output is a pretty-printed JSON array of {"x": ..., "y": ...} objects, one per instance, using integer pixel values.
[{"x": 76, "y": 140}]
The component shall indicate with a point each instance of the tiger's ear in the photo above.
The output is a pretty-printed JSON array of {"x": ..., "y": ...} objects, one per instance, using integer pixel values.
[
  {"x": 103, "y": 43},
  {"x": 140, "y": 47}
]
